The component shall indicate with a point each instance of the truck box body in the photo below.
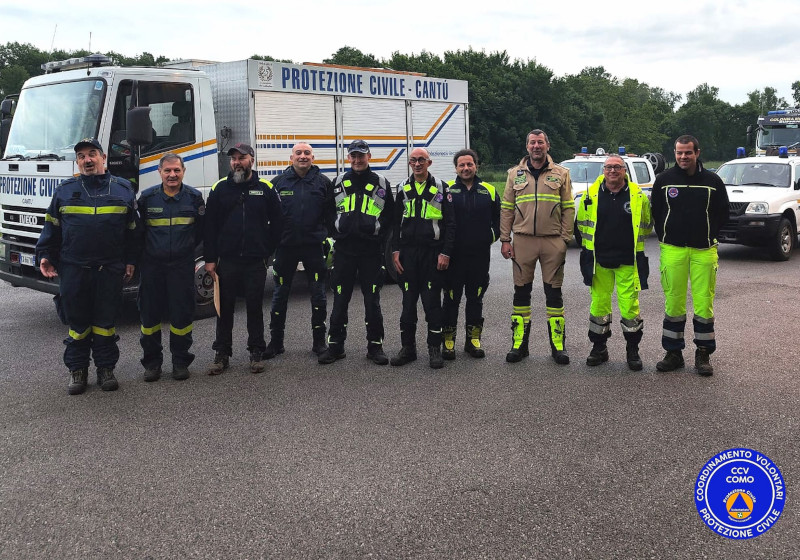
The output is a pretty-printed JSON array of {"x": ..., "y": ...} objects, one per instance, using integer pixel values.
[{"x": 199, "y": 110}]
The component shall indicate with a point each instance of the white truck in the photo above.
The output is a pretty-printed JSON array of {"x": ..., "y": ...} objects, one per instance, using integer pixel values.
[
  {"x": 777, "y": 128},
  {"x": 764, "y": 196},
  {"x": 199, "y": 109},
  {"x": 585, "y": 168}
]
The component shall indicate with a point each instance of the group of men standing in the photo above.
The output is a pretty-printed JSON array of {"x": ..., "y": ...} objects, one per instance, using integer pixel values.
[{"x": 96, "y": 232}]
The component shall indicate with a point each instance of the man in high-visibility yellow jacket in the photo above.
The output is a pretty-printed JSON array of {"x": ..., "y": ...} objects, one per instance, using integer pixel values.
[{"x": 614, "y": 220}]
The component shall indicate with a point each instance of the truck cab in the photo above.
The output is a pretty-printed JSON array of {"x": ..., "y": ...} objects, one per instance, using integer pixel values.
[{"x": 763, "y": 194}]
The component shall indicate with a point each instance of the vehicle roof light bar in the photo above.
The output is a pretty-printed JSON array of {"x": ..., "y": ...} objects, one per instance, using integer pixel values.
[{"x": 91, "y": 61}]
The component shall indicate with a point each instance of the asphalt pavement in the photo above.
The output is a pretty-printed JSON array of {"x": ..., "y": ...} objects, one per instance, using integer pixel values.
[{"x": 481, "y": 459}]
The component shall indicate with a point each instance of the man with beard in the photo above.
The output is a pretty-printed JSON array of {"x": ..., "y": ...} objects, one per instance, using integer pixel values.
[
  {"x": 538, "y": 208},
  {"x": 308, "y": 210},
  {"x": 90, "y": 239},
  {"x": 477, "y": 211},
  {"x": 243, "y": 224}
]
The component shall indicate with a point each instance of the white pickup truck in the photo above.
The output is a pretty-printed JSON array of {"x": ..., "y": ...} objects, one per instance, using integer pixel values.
[
  {"x": 763, "y": 193},
  {"x": 584, "y": 168}
]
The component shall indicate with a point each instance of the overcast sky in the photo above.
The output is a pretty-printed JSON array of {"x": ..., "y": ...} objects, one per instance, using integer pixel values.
[{"x": 737, "y": 45}]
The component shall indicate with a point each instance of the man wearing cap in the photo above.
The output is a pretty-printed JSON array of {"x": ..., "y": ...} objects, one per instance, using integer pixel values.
[
  {"x": 90, "y": 240},
  {"x": 364, "y": 210},
  {"x": 308, "y": 212},
  {"x": 423, "y": 240},
  {"x": 243, "y": 224},
  {"x": 172, "y": 217}
]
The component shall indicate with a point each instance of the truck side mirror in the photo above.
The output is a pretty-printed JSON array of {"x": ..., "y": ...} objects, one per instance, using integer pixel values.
[
  {"x": 6, "y": 107},
  {"x": 139, "y": 127},
  {"x": 749, "y": 133}
]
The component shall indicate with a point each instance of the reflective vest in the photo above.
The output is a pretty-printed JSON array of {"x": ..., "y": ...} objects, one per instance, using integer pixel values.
[
  {"x": 347, "y": 202},
  {"x": 426, "y": 206}
]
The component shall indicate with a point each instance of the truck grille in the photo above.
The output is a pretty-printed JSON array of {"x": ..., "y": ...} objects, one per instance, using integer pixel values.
[
  {"x": 21, "y": 223},
  {"x": 737, "y": 208}
]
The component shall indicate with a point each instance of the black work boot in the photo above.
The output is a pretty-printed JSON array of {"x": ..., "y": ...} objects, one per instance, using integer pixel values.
[
  {"x": 558, "y": 340},
  {"x": 449, "y": 340},
  {"x": 106, "y": 379},
  {"x": 152, "y": 373},
  {"x": 77, "y": 381},
  {"x": 180, "y": 373},
  {"x": 275, "y": 345},
  {"x": 673, "y": 360},
  {"x": 702, "y": 362},
  {"x": 598, "y": 354},
  {"x": 256, "y": 362},
  {"x": 376, "y": 354},
  {"x": 435, "y": 356},
  {"x": 633, "y": 358},
  {"x": 220, "y": 364},
  {"x": 520, "y": 332},
  {"x": 335, "y": 351},
  {"x": 319, "y": 347},
  {"x": 472, "y": 342},
  {"x": 406, "y": 355}
]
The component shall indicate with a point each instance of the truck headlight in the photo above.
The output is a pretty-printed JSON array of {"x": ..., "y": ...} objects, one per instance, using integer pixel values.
[
  {"x": 3, "y": 251},
  {"x": 757, "y": 208}
]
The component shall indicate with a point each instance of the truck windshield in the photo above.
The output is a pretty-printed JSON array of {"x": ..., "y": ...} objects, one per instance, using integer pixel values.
[
  {"x": 584, "y": 171},
  {"x": 760, "y": 174},
  {"x": 52, "y": 118},
  {"x": 788, "y": 136}
]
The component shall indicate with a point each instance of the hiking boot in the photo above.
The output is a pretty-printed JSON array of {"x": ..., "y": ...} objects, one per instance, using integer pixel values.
[
  {"x": 180, "y": 373},
  {"x": 633, "y": 358},
  {"x": 256, "y": 362},
  {"x": 472, "y": 343},
  {"x": 598, "y": 355},
  {"x": 435, "y": 356},
  {"x": 702, "y": 362},
  {"x": 77, "y": 381},
  {"x": 376, "y": 354},
  {"x": 335, "y": 351},
  {"x": 106, "y": 379},
  {"x": 152, "y": 374},
  {"x": 406, "y": 355},
  {"x": 275, "y": 345},
  {"x": 220, "y": 364},
  {"x": 521, "y": 332},
  {"x": 319, "y": 347},
  {"x": 449, "y": 339},
  {"x": 673, "y": 360}
]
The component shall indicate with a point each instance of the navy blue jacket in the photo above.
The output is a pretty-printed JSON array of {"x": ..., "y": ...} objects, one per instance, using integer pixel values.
[
  {"x": 242, "y": 220},
  {"x": 424, "y": 220},
  {"x": 477, "y": 213},
  {"x": 91, "y": 221},
  {"x": 364, "y": 206},
  {"x": 307, "y": 206},
  {"x": 688, "y": 211},
  {"x": 173, "y": 225}
]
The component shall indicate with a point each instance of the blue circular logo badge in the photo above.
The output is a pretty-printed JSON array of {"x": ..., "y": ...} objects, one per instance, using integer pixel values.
[
  {"x": 672, "y": 192},
  {"x": 739, "y": 493}
]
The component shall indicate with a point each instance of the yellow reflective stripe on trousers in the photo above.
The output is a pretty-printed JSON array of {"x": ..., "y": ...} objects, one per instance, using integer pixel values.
[
  {"x": 104, "y": 332},
  {"x": 79, "y": 336},
  {"x": 151, "y": 330},
  {"x": 181, "y": 332}
]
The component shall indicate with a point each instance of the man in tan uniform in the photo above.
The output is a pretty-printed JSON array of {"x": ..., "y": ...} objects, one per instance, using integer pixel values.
[{"x": 538, "y": 208}]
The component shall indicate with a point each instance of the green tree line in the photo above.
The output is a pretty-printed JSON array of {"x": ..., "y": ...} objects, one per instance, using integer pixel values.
[{"x": 507, "y": 98}]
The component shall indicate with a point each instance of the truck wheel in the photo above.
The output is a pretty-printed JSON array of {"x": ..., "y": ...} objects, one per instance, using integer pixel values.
[
  {"x": 658, "y": 162},
  {"x": 203, "y": 291},
  {"x": 784, "y": 241}
]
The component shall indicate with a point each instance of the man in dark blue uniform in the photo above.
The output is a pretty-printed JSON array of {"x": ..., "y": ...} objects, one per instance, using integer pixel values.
[
  {"x": 90, "y": 239},
  {"x": 243, "y": 224},
  {"x": 477, "y": 211},
  {"x": 308, "y": 210},
  {"x": 364, "y": 214},
  {"x": 422, "y": 243},
  {"x": 172, "y": 216}
]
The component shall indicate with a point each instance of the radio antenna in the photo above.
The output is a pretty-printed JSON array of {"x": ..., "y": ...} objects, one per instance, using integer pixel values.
[{"x": 52, "y": 44}]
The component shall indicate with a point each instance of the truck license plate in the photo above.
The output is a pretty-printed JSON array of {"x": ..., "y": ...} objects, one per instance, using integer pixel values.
[{"x": 25, "y": 258}]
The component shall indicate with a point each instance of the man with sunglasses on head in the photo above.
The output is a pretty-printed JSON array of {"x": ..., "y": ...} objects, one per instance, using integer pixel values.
[
  {"x": 363, "y": 219},
  {"x": 614, "y": 220},
  {"x": 423, "y": 240}
]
